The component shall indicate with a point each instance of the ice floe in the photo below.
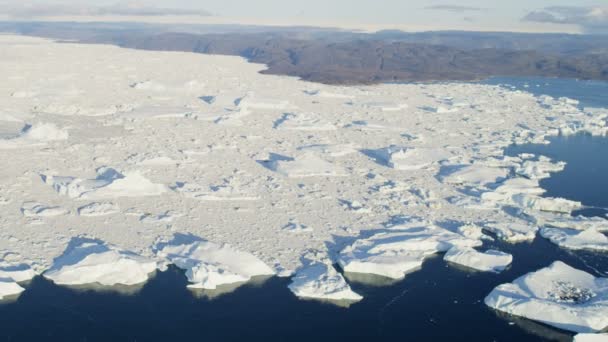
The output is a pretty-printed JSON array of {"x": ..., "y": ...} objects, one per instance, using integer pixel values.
[
  {"x": 588, "y": 239},
  {"x": 209, "y": 265},
  {"x": 108, "y": 184},
  {"x": 489, "y": 261},
  {"x": 591, "y": 338},
  {"x": 307, "y": 165},
  {"x": 34, "y": 209},
  {"x": 92, "y": 262},
  {"x": 400, "y": 250},
  {"x": 320, "y": 280},
  {"x": 98, "y": 209},
  {"x": 35, "y": 135},
  {"x": 513, "y": 231},
  {"x": 402, "y": 158},
  {"x": 559, "y": 295},
  {"x": 476, "y": 175}
]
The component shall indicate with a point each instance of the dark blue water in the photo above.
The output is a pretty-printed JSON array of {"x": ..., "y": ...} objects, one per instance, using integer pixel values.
[{"x": 436, "y": 303}]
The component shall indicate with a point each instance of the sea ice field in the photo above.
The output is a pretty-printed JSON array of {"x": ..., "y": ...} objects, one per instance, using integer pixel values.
[{"x": 120, "y": 163}]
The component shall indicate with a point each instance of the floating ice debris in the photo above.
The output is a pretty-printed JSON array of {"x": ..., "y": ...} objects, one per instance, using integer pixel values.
[
  {"x": 230, "y": 190},
  {"x": 98, "y": 209},
  {"x": 34, "y": 209},
  {"x": 36, "y": 135},
  {"x": 108, "y": 184},
  {"x": 294, "y": 227},
  {"x": 513, "y": 186},
  {"x": 336, "y": 150},
  {"x": 489, "y": 261},
  {"x": 559, "y": 295},
  {"x": 401, "y": 250},
  {"x": 304, "y": 122},
  {"x": 409, "y": 158},
  {"x": 321, "y": 281},
  {"x": 87, "y": 262},
  {"x": 591, "y": 338},
  {"x": 306, "y": 165},
  {"x": 557, "y": 205},
  {"x": 589, "y": 239},
  {"x": 513, "y": 231},
  {"x": 9, "y": 288},
  {"x": 209, "y": 265},
  {"x": 539, "y": 169},
  {"x": 16, "y": 272},
  {"x": 476, "y": 175},
  {"x": 553, "y": 220}
]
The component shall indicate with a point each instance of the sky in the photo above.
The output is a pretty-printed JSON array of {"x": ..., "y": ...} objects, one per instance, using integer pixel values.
[{"x": 589, "y": 16}]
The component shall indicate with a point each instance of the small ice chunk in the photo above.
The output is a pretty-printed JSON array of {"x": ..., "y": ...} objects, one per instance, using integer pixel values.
[
  {"x": 304, "y": 122},
  {"x": 557, "y": 205},
  {"x": 588, "y": 239},
  {"x": 9, "y": 288},
  {"x": 88, "y": 261},
  {"x": 559, "y": 295},
  {"x": 209, "y": 265},
  {"x": 476, "y": 175},
  {"x": 416, "y": 158},
  {"x": 490, "y": 261},
  {"x": 294, "y": 227},
  {"x": 321, "y": 281},
  {"x": 540, "y": 169},
  {"x": 35, "y": 135},
  {"x": 34, "y": 209},
  {"x": 307, "y": 165},
  {"x": 513, "y": 231},
  {"x": 98, "y": 209},
  {"x": 108, "y": 184}
]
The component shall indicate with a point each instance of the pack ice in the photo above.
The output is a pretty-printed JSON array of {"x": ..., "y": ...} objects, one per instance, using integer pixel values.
[
  {"x": 559, "y": 295},
  {"x": 139, "y": 152}
]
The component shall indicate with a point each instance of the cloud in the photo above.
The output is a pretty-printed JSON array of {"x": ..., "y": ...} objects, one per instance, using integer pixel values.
[
  {"x": 454, "y": 8},
  {"x": 590, "y": 19},
  {"x": 26, "y": 10}
]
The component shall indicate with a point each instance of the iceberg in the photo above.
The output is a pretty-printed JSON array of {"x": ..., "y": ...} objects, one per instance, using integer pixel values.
[
  {"x": 209, "y": 265},
  {"x": 559, "y": 295},
  {"x": 321, "y": 281},
  {"x": 513, "y": 231},
  {"x": 489, "y": 261},
  {"x": 400, "y": 250},
  {"x": 90, "y": 262},
  {"x": 589, "y": 239}
]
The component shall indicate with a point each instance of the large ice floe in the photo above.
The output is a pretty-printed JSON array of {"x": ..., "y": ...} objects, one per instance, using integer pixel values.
[
  {"x": 559, "y": 295},
  {"x": 489, "y": 261},
  {"x": 271, "y": 165},
  {"x": 92, "y": 262},
  {"x": 10, "y": 277},
  {"x": 591, "y": 338},
  {"x": 400, "y": 250},
  {"x": 209, "y": 265}
]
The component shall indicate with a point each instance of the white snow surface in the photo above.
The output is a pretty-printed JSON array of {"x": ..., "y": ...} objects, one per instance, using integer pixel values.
[
  {"x": 107, "y": 148},
  {"x": 591, "y": 338},
  {"x": 559, "y": 295}
]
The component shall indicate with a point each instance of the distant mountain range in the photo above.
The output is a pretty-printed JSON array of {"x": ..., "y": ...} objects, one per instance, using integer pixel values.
[{"x": 338, "y": 57}]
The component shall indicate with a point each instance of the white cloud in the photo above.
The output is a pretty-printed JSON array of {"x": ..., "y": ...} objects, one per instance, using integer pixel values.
[{"x": 590, "y": 19}]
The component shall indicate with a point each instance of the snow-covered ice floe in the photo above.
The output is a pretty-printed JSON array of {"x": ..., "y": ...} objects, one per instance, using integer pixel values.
[
  {"x": 489, "y": 261},
  {"x": 92, "y": 262},
  {"x": 35, "y": 135},
  {"x": 476, "y": 175},
  {"x": 412, "y": 158},
  {"x": 307, "y": 165},
  {"x": 108, "y": 184},
  {"x": 209, "y": 265},
  {"x": 10, "y": 277},
  {"x": 559, "y": 295},
  {"x": 400, "y": 250},
  {"x": 513, "y": 231},
  {"x": 589, "y": 239},
  {"x": 319, "y": 280}
]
